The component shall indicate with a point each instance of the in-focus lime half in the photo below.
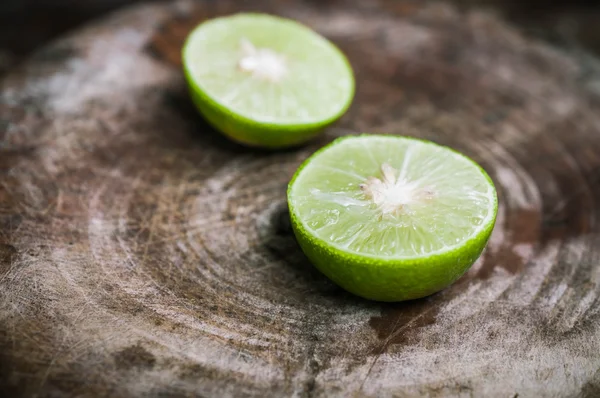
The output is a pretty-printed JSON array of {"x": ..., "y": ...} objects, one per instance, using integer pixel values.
[
  {"x": 266, "y": 81},
  {"x": 391, "y": 218}
]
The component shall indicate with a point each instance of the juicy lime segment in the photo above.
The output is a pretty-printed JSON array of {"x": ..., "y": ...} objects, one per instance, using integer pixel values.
[
  {"x": 391, "y": 218},
  {"x": 265, "y": 80}
]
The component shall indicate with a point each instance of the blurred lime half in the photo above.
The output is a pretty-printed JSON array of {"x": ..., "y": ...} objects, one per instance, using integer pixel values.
[{"x": 266, "y": 81}]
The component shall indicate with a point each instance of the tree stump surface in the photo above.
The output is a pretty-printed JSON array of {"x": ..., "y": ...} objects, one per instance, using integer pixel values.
[{"x": 142, "y": 254}]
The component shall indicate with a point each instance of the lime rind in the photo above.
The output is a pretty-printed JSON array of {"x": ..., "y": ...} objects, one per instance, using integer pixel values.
[
  {"x": 381, "y": 280},
  {"x": 251, "y": 133}
]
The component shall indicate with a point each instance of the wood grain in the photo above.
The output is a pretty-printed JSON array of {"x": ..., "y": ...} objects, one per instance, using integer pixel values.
[{"x": 142, "y": 254}]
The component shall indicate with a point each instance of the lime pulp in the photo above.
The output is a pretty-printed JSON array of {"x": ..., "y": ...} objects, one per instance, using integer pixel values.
[
  {"x": 264, "y": 80},
  {"x": 391, "y": 218}
]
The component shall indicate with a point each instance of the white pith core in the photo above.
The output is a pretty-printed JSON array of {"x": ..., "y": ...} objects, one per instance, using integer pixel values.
[
  {"x": 393, "y": 193},
  {"x": 262, "y": 63}
]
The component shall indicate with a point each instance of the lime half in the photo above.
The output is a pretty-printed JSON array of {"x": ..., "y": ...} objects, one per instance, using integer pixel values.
[
  {"x": 266, "y": 81},
  {"x": 391, "y": 218}
]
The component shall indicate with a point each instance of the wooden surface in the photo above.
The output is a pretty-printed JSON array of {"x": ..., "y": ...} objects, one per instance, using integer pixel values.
[{"x": 141, "y": 254}]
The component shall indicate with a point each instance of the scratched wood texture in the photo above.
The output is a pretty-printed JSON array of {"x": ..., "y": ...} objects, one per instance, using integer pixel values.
[{"x": 141, "y": 254}]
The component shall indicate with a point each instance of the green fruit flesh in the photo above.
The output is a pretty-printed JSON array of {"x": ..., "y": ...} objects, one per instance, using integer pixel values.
[
  {"x": 391, "y": 218},
  {"x": 264, "y": 80}
]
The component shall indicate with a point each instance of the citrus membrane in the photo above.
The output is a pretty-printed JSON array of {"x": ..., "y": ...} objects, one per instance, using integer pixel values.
[
  {"x": 266, "y": 81},
  {"x": 391, "y": 218}
]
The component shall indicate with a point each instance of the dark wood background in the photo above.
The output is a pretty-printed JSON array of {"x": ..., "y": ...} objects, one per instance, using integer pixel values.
[
  {"x": 28, "y": 24},
  {"x": 142, "y": 254}
]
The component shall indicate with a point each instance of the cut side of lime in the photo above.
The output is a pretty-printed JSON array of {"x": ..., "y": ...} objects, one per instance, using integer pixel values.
[
  {"x": 266, "y": 81},
  {"x": 391, "y": 218}
]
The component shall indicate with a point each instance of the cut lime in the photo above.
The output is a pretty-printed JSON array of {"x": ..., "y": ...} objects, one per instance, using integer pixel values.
[
  {"x": 266, "y": 81},
  {"x": 391, "y": 218}
]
